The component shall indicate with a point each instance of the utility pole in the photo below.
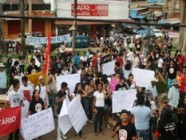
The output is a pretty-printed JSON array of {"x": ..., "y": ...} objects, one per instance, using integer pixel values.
[
  {"x": 1, "y": 28},
  {"x": 30, "y": 20},
  {"x": 22, "y": 13},
  {"x": 74, "y": 31}
]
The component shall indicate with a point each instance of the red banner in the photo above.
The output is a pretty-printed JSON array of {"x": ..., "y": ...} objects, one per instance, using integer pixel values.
[
  {"x": 10, "y": 120},
  {"x": 91, "y": 10},
  {"x": 46, "y": 64}
]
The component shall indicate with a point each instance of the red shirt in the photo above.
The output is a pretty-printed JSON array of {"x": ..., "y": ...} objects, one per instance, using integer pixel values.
[
  {"x": 120, "y": 61},
  {"x": 94, "y": 61},
  {"x": 183, "y": 83}
]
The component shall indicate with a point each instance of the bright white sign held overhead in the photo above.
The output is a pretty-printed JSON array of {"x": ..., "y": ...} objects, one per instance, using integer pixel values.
[{"x": 94, "y": 9}]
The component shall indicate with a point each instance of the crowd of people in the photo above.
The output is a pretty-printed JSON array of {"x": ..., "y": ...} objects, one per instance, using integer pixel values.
[{"x": 165, "y": 117}]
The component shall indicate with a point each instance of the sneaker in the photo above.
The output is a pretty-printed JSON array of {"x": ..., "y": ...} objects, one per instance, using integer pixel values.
[
  {"x": 108, "y": 126},
  {"x": 59, "y": 139},
  {"x": 64, "y": 137},
  {"x": 90, "y": 121},
  {"x": 82, "y": 137}
]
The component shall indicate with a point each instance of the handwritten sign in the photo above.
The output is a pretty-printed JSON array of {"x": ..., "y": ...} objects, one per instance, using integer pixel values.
[
  {"x": 123, "y": 99},
  {"x": 142, "y": 77},
  {"x": 108, "y": 68},
  {"x": 72, "y": 114},
  {"x": 71, "y": 80},
  {"x": 78, "y": 120},
  {"x": 43, "y": 40},
  {"x": 37, "y": 124},
  {"x": 64, "y": 120}
]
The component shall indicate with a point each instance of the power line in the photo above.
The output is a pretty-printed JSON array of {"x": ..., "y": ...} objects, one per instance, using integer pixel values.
[{"x": 91, "y": 20}]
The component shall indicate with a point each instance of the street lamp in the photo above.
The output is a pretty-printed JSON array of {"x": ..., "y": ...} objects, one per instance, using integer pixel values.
[{"x": 73, "y": 27}]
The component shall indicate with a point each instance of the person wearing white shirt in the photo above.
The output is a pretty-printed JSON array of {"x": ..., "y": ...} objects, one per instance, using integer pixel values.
[
  {"x": 84, "y": 59},
  {"x": 173, "y": 95},
  {"x": 160, "y": 64},
  {"x": 152, "y": 87},
  {"x": 135, "y": 61},
  {"x": 3, "y": 79},
  {"x": 42, "y": 90},
  {"x": 98, "y": 107},
  {"x": 26, "y": 89},
  {"x": 15, "y": 100},
  {"x": 130, "y": 55}
]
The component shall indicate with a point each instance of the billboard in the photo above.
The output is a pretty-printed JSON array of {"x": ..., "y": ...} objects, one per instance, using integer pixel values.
[{"x": 93, "y": 9}]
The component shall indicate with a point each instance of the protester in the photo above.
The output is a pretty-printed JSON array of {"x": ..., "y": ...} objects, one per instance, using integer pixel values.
[
  {"x": 3, "y": 79},
  {"x": 124, "y": 128},
  {"x": 98, "y": 108},
  {"x": 183, "y": 85},
  {"x": 32, "y": 68},
  {"x": 15, "y": 99},
  {"x": 173, "y": 95},
  {"x": 26, "y": 89},
  {"x": 60, "y": 97},
  {"x": 13, "y": 71},
  {"x": 141, "y": 118}
]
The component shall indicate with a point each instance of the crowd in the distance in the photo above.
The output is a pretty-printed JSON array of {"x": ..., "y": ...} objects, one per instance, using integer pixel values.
[{"x": 153, "y": 113}]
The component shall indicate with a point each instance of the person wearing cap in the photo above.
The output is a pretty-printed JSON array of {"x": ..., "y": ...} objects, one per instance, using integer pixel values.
[
  {"x": 152, "y": 87},
  {"x": 124, "y": 128},
  {"x": 3, "y": 79},
  {"x": 60, "y": 97},
  {"x": 41, "y": 87},
  {"x": 173, "y": 95}
]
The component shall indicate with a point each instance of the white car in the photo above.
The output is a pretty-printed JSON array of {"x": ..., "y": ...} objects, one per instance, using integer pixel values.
[{"x": 158, "y": 33}]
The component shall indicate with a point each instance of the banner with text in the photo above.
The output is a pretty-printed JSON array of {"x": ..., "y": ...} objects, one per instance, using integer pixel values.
[
  {"x": 142, "y": 77},
  {"x": 31, "y": 40},
  {"x": 71, "y": 80},
  {"x": 37, "y": 124},
  {"x": 123, "y": 99},
  {"x": 108, "y": 68},
  {"x": 10, "y": 120}
]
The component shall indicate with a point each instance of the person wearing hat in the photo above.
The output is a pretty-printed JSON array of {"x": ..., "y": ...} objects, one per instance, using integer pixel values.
[
  {"x": 173, "y": 95},
  {"x": 3, "y": 79},
  {"x": 124, "y": 128},
  {"x": 152, "y": 87}
]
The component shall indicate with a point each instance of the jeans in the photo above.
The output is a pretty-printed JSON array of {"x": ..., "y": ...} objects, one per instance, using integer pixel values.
[
  {"x": 169, "y": 83},
  {"x": 88, "y": 104},
  {"x": 145, "y": 134},
  {"x": 21, "y": 68},
  {"x": 15, "y": 135},
  {"x": 99, "y": 119}
]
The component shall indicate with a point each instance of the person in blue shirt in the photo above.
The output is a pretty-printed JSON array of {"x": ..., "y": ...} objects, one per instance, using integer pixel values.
[{"x": 77, "y": 59}]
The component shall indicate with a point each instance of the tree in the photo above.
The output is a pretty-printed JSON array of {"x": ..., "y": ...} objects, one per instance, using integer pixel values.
[{"x": 182, "y": 39}]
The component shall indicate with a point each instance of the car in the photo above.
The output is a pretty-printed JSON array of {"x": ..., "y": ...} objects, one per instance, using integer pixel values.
[
  {"x": 158, "y": 33},
  {"x": 81, "y": 42},
  {"x": 143, "y": 32}
]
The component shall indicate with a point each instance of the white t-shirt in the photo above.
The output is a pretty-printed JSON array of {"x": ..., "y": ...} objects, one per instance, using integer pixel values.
[
  {"x": 135, "y": 62},
  {"x": 100, "y": 100},
  {"x": 14, "y": 97},
  {"x": 160, "y": 63},
  {"x": 83, "y": 58},
  {"x": 26, "y": 92}
]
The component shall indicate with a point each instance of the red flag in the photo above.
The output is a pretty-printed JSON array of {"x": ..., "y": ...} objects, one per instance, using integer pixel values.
[
  {"x": 46, "y": 64},
  {"x": 10, "y": 120}
]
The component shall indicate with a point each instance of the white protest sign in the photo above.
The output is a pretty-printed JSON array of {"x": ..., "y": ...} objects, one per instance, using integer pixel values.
[
  {"x": 77, "y": 114},
  {"x": 37, "y": 124},
  {"x": 142, "y": 77},
  {"x": 37, "y": 61},
  {"x": 64, "y": 120},
  {"x": 108, "y": 68},
  {"x": 71, "y": 80},
  {"x": 123, "y": 99}
]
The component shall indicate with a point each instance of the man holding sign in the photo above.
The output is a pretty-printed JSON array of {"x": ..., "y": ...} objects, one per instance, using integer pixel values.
[{"x": 60, "y": 97}]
